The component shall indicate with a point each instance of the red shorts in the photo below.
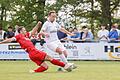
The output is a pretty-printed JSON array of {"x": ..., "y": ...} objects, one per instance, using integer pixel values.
[{"x": 37, "y": 56}]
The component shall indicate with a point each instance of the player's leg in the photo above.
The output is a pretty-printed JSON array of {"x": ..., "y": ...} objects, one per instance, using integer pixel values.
[
  {"x": 58, "y": 47},
  {"x": 39, "y": 57},
  {"x": 39, "y": 60},
  {"x": 67, "y": 66},
  {"x": 65, "y": 52},
  {"x": 61, "y": 59},
  {"x": 61, "y": 54},
  {"x": 43, "y": 67},
  {"x": 55, "y": 46}
]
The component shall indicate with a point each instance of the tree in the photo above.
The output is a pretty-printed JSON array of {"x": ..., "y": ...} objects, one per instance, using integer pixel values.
[
  {"x": 26, "y": 9},
  {"x": 101, "y": 13},
  {"x": 22, "y": 11},
  {"x": 5, "y": 6},
  {"x": 108, "y": 7}
]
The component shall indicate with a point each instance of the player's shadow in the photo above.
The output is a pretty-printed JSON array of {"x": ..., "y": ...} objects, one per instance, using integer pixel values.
[
  {"x": 55, "y": 72},
  {"x": 48, "y": 72}
]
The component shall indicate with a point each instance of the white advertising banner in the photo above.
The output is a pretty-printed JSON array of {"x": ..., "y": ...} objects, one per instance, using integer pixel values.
[
  {"x": 12, "y": 51},
  {"x": 76, "y": 51}
]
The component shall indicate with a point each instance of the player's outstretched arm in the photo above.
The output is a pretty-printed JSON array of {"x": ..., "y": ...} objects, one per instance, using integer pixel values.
[
  {"x": 34, "y": 30},
  {"x": 67, "y": 32},
  {"x": 8, "y": 40}
]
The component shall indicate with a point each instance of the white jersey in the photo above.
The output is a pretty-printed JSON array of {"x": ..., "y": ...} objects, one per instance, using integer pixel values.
[
  {"x": 51, "y": 29},
  {"x": 103, "y": 33}
]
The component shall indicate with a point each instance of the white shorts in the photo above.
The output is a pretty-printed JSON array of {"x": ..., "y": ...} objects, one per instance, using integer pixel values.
[{"x": 54, "y": 45}]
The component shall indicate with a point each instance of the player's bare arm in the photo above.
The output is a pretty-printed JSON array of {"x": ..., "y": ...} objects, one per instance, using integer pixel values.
[
  {"x": 67, "y": 32},
  {"x": 8, "y": 40},
  {"x": 34, "y": 30},
  {"x": 44, "y": 33}
]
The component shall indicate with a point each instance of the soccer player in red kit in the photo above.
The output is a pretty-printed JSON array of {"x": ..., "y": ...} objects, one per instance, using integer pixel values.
[{"x": 36, "y": 55}]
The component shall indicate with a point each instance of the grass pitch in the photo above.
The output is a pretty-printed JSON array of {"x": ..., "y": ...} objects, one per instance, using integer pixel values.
[{"x": 87, "y": 70}]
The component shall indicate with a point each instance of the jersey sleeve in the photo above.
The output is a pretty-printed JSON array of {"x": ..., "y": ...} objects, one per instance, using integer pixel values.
[
  {"x": 28, "y": 34},
  {"x": 16, "y": 37},
  {"x": 44, "y": 27}
]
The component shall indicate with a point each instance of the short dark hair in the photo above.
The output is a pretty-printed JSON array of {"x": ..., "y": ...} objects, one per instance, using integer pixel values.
[
  {"x": 75, "y": 28},
  {"x": 103, "y": 25},
  {"x": 84, "y": 27},
  {"x": 10, "y": 27},
  {"x": 70, "y": 28},
  {"x": 20, "y": 28},
  {"x": 51, "y": 12}
]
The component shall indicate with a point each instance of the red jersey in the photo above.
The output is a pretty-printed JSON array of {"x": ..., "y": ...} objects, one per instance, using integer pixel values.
[
  {"x": 27, "y": 35},
  {"x": 24, "y": 42},
  {"x": 27, "y": 45}
]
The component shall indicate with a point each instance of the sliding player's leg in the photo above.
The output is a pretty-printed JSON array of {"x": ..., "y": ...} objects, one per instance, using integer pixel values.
[
  {"x": 43, "y": 67},
  {"x": 67, "y": 66},
  {"x": 38, "y": 57}
]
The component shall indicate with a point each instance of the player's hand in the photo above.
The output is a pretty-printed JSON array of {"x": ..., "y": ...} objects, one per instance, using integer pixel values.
[
  {"x": 47, "y": 35},
  {"x": 39, "y": 22}
]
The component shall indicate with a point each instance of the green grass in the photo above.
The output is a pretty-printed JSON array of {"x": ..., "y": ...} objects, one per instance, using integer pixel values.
[{"x": 87, "y": 70}]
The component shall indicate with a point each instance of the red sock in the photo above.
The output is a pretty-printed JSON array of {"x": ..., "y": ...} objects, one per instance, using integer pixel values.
[
  {"x": 57, "y": 62},
  {"x": 41, "y": 69}
]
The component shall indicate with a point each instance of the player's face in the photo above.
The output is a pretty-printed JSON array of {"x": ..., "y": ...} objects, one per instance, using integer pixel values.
[
  {"x": 23, "y": 31},
  {"x": 10, "y": 29},
  {"x": 116, "y": 25},
  {"x": 75, "y": 30},
  {"x": 52, "y": 17},
  {"x": 85, "y": 30},
  {"x": 70, "y": 29},
  {"x": 103, "y": 27}
]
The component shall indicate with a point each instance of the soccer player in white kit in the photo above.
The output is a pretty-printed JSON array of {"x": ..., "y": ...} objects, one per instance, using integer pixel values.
[{"x": 49, "y": 30}]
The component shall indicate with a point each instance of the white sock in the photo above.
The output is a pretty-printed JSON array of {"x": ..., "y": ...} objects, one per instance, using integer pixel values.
[{"x": 63, "y": 58}]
